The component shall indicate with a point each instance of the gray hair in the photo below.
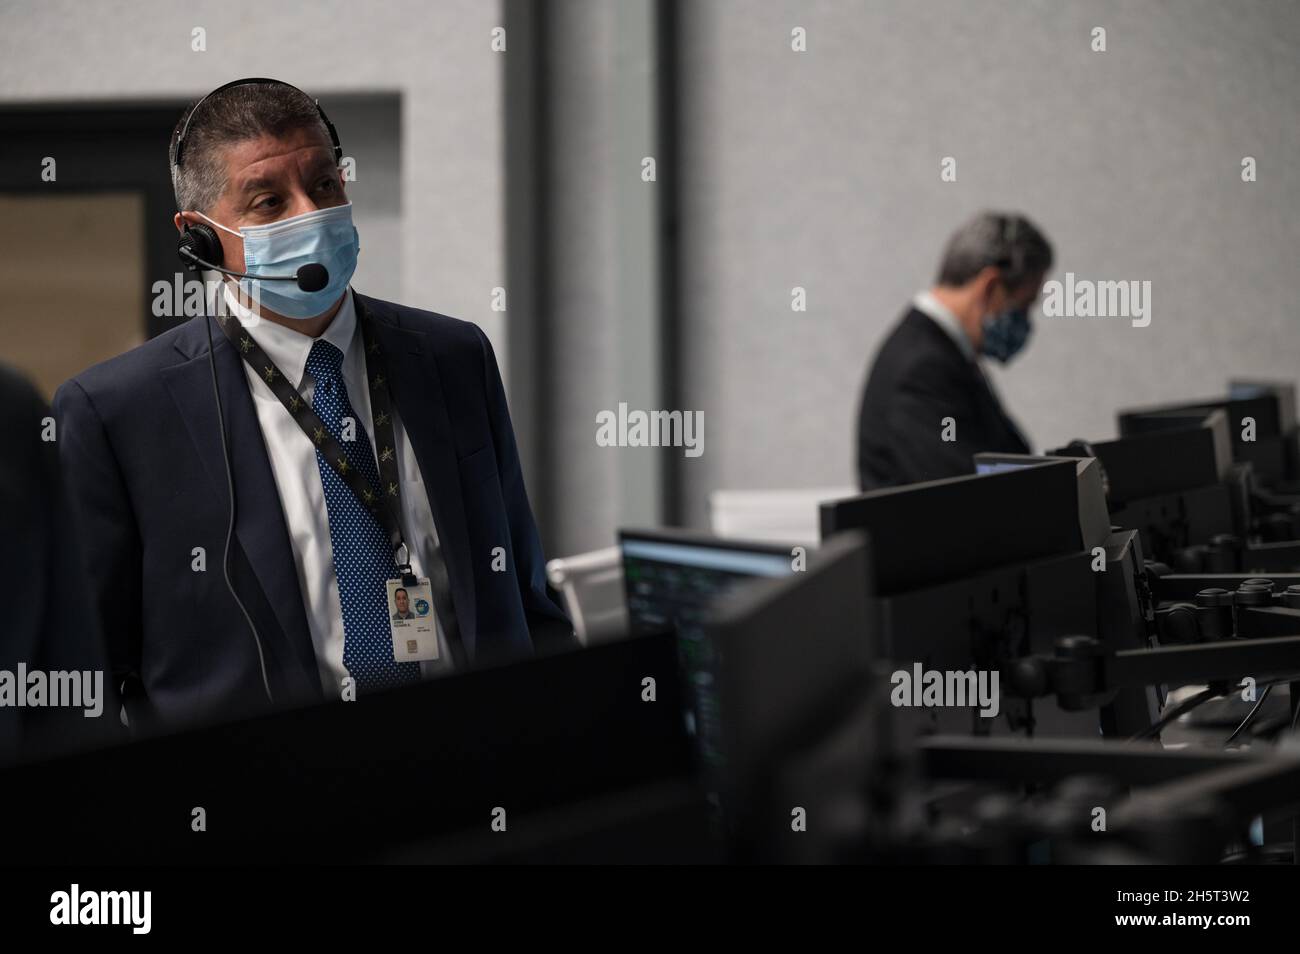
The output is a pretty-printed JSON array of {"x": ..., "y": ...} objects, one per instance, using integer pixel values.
[
  {"x": 230, "y": 116},
  {"x": 1006, "y": 241}
]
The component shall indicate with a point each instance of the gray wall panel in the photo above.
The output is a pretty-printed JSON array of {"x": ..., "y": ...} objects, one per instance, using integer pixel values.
[{"x": 821, "y": 169}]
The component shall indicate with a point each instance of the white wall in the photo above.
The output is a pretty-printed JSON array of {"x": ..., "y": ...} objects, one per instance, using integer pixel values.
[
  {"x": 442, "y": 249},
  {"x": 821, "y": 169},
  {"x": 818, "y": 169}
]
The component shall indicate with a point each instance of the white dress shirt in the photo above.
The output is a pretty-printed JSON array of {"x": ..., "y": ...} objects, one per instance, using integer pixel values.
[
  {"x": 942, "y": 315},
  {"x": 297, "y": 478}
]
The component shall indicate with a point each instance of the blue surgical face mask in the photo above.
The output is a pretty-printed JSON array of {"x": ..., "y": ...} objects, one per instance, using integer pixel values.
[
  {"x": 1005, "y": 334},
  {"x": 325, "y": 236}
]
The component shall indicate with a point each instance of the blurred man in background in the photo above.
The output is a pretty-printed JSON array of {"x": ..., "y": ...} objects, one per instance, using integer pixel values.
[
  {"x": 927, "y": 406},
  {"x": 48, "y": 626}
]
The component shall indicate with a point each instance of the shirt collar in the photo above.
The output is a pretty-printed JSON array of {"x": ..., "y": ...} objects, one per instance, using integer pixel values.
[
  {"x": 942, "y": 315},
  {"x": 289, "y": 349}
]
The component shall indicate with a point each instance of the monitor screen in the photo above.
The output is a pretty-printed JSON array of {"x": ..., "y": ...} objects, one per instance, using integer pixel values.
[
  {"x": 1245, "y": 392},
  {"x": 997, "y": 467},
  {"x": 673, "y": 580}
]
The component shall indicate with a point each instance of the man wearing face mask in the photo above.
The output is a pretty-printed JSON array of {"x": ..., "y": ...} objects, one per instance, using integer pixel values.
[
  {"x": 369, "y": 447},
  {"x": 927, "y": 384}
]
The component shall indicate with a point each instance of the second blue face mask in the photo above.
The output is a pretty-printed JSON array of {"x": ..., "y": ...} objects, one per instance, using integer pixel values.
[
  {"x": 1005, "y": 334},
  {"x": 325, "y": 236}
]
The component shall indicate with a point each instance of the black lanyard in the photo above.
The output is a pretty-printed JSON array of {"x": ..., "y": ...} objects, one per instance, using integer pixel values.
[{"x": 383, "y": 502}]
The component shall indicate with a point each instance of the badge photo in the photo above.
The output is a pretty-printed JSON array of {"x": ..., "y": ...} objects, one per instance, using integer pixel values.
[{"x": 412, "y": 621}]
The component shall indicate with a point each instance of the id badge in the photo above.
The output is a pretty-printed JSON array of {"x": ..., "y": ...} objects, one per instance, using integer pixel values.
[{"x": 412, "y": 620}]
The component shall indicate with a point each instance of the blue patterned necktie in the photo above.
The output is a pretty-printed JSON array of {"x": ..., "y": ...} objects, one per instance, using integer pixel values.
[{"x": 363, "y": 560}]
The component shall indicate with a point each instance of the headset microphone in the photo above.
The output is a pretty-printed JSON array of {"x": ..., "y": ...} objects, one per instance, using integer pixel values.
[{"x": 310, "y": 277}]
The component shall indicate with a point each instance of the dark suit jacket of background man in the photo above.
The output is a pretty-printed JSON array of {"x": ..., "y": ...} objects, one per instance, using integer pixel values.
[
  {"x": 919, "y": 377},
  {"x": 141, "y": 453},
  {"x": 45, "y": 622}
]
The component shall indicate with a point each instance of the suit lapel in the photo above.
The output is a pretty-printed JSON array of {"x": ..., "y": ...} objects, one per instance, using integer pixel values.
[
  {"x": 993, "y": 409},
  {"x": 422, "y": 407},
  {"x": 259, "y": 517}
]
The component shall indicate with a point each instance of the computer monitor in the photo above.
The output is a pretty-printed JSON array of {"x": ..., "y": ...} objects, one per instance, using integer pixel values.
[
  {"x": 1177, "y": 486},
  {"x": 1195, "y": 451},
  {"x": 1268, "y": 444},
  {"x": 1094, "y": 516},
  {"x": 674, "y": 578},
  {"x": 1282, "y": 392},
  {"x": 787, "y": 661},
  {"x": 1272, "y": 404},
  {"x": 972, "y": 573},
  {"x": 1276, "y": 457},
  {"x": 415, "y": 771},
  {"x": 947, "y": 529},
  {"x": 671, "y": 577}
]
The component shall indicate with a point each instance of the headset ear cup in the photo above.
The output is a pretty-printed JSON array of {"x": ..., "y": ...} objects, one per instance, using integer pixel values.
[{"x": 202, "y": 240}]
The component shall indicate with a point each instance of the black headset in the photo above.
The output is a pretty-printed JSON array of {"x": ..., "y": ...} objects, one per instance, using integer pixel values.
[
  {"x": 201, "y": 240},
  {"x": 1011, "y": 257}
]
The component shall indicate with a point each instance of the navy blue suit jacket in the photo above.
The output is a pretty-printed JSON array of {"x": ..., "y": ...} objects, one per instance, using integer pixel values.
[{"x": 141, "y": 455}]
